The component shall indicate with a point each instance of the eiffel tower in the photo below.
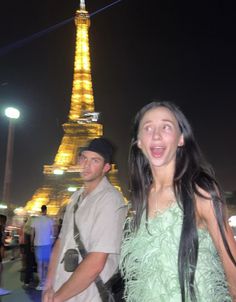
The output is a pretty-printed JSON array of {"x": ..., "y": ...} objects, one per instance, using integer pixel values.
[{"x": 63, "y": 177}]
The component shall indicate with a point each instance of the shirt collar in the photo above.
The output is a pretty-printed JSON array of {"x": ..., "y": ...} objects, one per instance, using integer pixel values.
[{"x": 102, "y": 184}]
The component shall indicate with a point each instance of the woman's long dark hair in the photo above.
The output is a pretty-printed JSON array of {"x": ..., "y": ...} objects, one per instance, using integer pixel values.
[{"x": 191, "y": 172}]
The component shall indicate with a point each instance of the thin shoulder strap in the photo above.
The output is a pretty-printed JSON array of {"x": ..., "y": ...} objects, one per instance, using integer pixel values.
[{"x": 103, "y": 291}]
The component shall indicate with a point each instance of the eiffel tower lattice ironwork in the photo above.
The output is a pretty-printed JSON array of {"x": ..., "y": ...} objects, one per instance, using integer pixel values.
[{"x": 62, "y": 176}]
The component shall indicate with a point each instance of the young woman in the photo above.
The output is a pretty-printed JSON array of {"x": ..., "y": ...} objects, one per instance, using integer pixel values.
[{"x": 178, "y": 245}]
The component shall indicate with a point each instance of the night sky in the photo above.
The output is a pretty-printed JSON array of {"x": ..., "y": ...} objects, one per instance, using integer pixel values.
[{"x": 183, "y": 51}]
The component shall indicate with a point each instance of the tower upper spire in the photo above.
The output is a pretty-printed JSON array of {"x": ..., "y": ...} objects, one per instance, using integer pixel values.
[
  {"x": 82, "y": 5},
  {"x": 82, "y": 92}
]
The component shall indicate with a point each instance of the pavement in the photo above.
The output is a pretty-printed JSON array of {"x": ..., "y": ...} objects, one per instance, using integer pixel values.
[{"x": 11, "y": 281}]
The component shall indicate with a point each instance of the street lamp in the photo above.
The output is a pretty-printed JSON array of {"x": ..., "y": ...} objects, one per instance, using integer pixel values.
[{"x": 12, "y": 114}]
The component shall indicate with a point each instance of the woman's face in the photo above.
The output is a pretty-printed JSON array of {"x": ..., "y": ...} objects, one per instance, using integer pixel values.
[{"x": 159, "y": 136}]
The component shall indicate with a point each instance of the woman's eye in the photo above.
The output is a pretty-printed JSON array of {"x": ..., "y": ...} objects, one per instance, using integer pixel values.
[
  {"x": 167, "y": 127},
  {"x": 148, "y": 128}
]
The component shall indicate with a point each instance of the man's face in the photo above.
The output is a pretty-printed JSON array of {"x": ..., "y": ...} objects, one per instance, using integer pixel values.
[{"x": 92, "y": 166}]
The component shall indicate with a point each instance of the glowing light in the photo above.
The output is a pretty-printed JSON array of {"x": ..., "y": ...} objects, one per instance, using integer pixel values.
[
  {"x": 3, "y": 206},
  {"x": 12, "y": 112},
  {"x": 232, "y": 221},
  {"x": 58, "y": 172},
  {"x": 72, "y": 189}
]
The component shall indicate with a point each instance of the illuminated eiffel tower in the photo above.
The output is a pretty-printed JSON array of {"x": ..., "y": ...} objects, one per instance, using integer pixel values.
[{"x": 62, "y": 177}]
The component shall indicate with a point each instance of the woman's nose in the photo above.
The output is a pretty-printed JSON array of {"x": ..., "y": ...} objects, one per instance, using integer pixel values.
[{"x": 156, "y": 134}]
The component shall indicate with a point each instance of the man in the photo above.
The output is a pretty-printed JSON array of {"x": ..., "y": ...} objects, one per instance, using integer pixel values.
[
  {"x": 100, "y": 216},
  {"x": 42, "y": 239}
]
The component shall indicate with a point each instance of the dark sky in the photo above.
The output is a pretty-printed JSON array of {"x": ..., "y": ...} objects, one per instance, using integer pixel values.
[{"x": 182, "y": 51}]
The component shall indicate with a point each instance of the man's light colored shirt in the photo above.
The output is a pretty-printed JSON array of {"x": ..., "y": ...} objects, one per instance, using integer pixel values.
[{"x": 100, "y": 218}]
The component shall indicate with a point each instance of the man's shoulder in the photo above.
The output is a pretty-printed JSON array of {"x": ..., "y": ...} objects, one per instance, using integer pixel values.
[
  {"x": 44, "y": 219},
  {"x": 73, "y": 199},
  {"x": 106, "y": 184},
  {"x": 111, "y": 194},
  {"x": 50, "y": 219},
  {"x": 110, "y": 188}
]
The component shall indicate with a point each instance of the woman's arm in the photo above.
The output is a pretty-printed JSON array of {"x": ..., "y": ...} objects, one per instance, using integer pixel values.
[{"x": 207, "y": 216}]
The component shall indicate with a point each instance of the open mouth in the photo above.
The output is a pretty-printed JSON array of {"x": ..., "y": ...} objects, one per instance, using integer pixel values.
[{"x": 157, "y": 151}]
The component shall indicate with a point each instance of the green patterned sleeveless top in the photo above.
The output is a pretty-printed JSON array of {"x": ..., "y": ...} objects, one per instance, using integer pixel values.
[{"x": 149, "y": 262}]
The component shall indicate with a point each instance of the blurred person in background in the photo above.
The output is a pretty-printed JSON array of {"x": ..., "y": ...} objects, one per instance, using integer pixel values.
[
  {"x": 42, "y": 237},
  {"x": 3, "y": 220},
  {"x": 14, "y": 245},
  {"x": 22, "y": 243},
  {"x": 28, "y": 261}
]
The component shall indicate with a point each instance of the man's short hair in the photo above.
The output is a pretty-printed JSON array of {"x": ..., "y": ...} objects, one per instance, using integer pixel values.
[
  {"x": 101, "y": 146},
  {"x": 43, "y": 208}
]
